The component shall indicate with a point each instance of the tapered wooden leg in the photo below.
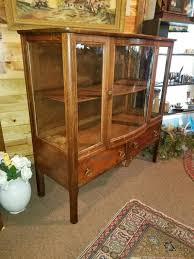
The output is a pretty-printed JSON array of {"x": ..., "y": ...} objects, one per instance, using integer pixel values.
[
  {"x": 155, "y": 151},
  {"x": 126, "y": 162},
  {"x": 1, "y": 222},
  {"x": 40, "y": 184},
  {"x": 73, "y": 197},
  {"x": 128, "y": 157}
]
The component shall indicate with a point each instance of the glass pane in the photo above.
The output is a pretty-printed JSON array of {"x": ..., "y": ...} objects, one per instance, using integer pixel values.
[
  {"x": 48, "y": 91},
  {"x": 133, "y": 69},
  {"x": 160, "y": 73},
  {"x": 89, "y": 83}
]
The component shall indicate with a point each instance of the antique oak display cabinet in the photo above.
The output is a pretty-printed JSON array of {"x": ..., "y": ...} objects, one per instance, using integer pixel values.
[{"x": 91, "y": 98}]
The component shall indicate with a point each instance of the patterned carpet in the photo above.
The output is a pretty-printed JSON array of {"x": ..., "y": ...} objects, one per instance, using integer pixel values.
[
  {"x": 188, "y": 161},
  {"x": 138, "y": 231}
]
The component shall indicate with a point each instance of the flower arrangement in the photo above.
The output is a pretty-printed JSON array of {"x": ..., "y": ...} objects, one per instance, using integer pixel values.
[
  {"x": 174, "y": 142},
  {"x": 12, "y": 168}
]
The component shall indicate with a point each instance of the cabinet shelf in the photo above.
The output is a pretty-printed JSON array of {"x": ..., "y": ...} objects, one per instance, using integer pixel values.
[
  {"x": 58, "y": 95},
  {"x": 87, "y": 137},
  {"x": 126, "y": 119},
  {"x": 94, "y": 92}
]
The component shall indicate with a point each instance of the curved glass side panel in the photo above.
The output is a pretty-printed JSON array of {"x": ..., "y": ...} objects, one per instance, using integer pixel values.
[{"x": 132, "y": 78}]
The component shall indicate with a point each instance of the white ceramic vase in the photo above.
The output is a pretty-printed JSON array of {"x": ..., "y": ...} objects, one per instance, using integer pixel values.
[{"x": 16, "y": 197}]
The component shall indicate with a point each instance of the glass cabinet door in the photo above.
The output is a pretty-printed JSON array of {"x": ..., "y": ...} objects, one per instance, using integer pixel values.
[
  {"x": 132, "y": 77},
  {"x": 89, "y": 91},
  {"x": 159, "y": 85},
  {"x": 46, "y": 69}
]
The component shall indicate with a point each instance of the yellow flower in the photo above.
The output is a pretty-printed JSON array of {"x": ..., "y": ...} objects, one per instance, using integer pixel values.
[
  {"x": 7, "y": 160},
  {"x": 5, "y": 156}
]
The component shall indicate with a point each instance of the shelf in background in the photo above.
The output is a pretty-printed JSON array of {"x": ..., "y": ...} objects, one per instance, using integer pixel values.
[
  {"x": 178, "y": 54},
  {"x": 161, "y": 22},
  {"x": 183, "y": 54},
  {"x": 178, "y": 112},
  {"x": 167, "y": 16},
  {"x": 161, "y": 85}
]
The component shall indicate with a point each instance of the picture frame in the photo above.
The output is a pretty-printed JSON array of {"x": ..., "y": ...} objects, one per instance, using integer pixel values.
[{"x": 88, "y": 14}]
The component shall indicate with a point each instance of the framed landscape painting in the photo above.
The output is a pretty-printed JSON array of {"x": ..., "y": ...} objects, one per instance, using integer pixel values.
[{"x": 90, "y": 14}]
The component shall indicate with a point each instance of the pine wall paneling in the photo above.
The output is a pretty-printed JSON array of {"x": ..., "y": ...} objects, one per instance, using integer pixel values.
[
  {"x": 13, "y": 102},
  {"x": 134, "y": 17},
  {"x": 2, "y": 12}
]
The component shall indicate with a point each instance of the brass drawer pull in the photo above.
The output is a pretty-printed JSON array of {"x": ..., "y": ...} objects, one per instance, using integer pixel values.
[
  {"x": 109, "y": 93},
  {"x": 135, "y": 145},
  {"x": 88, "y": 172},
  {"x": 156, "y": 134},
  {"x": 121, "y": 154}
]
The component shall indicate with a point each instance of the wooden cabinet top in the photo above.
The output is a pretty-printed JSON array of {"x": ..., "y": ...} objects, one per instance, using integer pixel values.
[{"x": 95, "y": 33}]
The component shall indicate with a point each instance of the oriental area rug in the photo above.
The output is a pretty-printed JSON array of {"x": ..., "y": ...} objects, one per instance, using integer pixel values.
[
  {"x": 138, "y": 231},
  {"x": 188, "y": 162}
]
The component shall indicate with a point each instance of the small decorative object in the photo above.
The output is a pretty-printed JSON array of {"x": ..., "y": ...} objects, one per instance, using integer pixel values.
[
  {"x": 189, "y": 51},
  {"x": 162, "y": 5},
  {"x": 93, "y": 14},
  {"x": 178, "y": 28},
  {"x": 177, "y": 6},
  {"x": 15, "y": 190},
  {"x": 156, "y": 104},
  {"x": 190, "y": 8},
  {"x": 166, "y": 107}
]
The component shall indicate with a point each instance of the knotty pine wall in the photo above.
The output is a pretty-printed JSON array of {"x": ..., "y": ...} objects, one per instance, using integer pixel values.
[
  {"x": 13, "y": 101},
  {"x": 131, "y": 18}
]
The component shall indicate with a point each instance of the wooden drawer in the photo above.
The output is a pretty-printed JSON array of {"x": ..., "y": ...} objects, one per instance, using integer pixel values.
[
  {"x": 147, "y": 138},
  {"x": 93, "y": 166}
]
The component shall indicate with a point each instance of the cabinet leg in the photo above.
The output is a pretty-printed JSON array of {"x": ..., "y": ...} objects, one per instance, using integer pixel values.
[
  {"x": 1, "y": 222},
  {"x": 128, "y": 157},
  {"x": 126, "y": 163},
  {"x": 40, "y": 184},
  {"x": 73, "y": 198},
  {"x": 155, "y": 151}
]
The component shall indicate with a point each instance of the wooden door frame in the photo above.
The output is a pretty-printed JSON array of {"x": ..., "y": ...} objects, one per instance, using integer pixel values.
[
  {"x": 106, "y": 87},
  {"x": 136, "y": 42}
]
